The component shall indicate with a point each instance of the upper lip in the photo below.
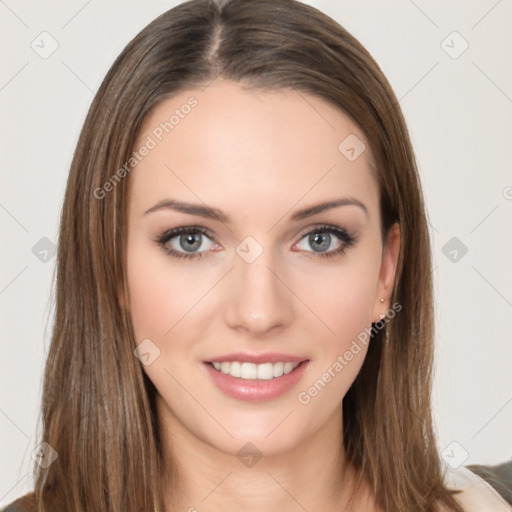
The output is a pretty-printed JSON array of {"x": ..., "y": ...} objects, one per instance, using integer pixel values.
[{"x": 245, "y": 357}]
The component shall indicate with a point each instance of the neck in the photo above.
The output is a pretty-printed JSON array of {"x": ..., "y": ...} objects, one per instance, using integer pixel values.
[{"x": 312, "y": 476}]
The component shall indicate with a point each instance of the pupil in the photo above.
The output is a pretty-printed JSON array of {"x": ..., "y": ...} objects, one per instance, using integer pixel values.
[
  {"x": 187, "y": 241},
  {"x": 324, "y": 240}
]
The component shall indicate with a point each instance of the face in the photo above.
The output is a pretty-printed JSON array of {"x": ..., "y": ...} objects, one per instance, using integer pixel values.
[{"x": 229, "y": 261}]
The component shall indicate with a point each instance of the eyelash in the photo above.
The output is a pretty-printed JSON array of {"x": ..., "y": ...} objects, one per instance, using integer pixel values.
[{"x": 348, "y": 241}]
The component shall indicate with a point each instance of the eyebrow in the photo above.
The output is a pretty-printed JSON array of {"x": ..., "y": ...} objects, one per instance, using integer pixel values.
[{"x": 216, "y": 214}]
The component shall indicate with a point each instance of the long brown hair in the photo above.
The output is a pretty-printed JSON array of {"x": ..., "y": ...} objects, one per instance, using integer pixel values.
[{"x": 98, "y": 409}]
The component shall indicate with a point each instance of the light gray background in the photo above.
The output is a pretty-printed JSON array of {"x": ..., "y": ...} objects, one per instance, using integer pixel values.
[{"x": 459, "y": 114}]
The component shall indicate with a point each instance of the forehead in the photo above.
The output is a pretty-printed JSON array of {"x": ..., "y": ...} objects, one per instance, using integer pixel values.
[{"x": 251, "y": 149}]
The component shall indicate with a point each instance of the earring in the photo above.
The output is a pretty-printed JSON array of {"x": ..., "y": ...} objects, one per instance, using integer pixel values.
[
  {"x": 382, "y": 315},
  {"x": 386, "y": 333}
]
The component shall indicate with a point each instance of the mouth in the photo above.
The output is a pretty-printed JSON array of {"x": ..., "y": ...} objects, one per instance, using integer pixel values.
[
  {"x": 256, "y": 381},
  {"x": 253, "y": 371}
]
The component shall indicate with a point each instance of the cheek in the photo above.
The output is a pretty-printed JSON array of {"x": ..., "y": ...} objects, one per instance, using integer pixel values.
[
  {"x": 150, "y": 303},
  {"x": 350, "y": 305},
  {"x": 339, "y": 353},
  {"x": 340, "y": 298},
  {"x": 346, "y": 311},
  {"x": 160, "y": 293}
]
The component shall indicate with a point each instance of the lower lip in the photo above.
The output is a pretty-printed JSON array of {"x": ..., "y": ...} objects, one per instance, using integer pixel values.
[{"x": 255, "y": 390}]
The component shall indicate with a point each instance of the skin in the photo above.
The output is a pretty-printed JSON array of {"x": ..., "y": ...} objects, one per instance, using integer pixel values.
[{"x": 258, "y": 157}]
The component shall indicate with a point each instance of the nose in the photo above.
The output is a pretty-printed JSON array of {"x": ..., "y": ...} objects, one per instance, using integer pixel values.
[{"x": 259, "y": 299}]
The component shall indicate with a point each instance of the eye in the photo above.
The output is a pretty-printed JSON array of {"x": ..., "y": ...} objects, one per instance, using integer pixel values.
[
  {"x": 186, "y": 242},
  {"x": 194, "y": 242},
  {"x": 327, "y": 241}
]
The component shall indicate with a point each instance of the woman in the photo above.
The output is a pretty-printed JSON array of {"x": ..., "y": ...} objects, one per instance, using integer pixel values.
[{"x": 244, "y": 291}]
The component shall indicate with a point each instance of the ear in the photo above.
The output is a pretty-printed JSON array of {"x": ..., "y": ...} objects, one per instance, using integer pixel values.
[{"x": 387, "y": 273}]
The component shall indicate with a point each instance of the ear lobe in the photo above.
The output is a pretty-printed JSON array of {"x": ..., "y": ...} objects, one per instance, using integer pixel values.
[{"x": 390, "y": 255}]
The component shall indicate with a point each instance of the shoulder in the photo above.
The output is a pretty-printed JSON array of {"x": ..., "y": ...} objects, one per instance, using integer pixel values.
[
  {"x": 499, "y": 477},
  {"x": 476, "y": 495},
  {"x": 26, "y": 503}
]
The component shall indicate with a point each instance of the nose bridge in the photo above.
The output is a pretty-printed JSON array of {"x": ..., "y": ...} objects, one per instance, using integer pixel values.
[{"x": 259, "y": 300}]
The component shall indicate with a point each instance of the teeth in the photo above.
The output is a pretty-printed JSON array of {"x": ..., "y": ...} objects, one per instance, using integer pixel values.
[
  {"x": 278, "y": 369},
  {"x": 265, "y": 371}
]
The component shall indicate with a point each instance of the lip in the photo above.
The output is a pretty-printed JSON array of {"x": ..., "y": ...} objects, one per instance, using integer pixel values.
[
  {"x": 255, "y": 390},
  {"x": 245, "y": 357}
]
